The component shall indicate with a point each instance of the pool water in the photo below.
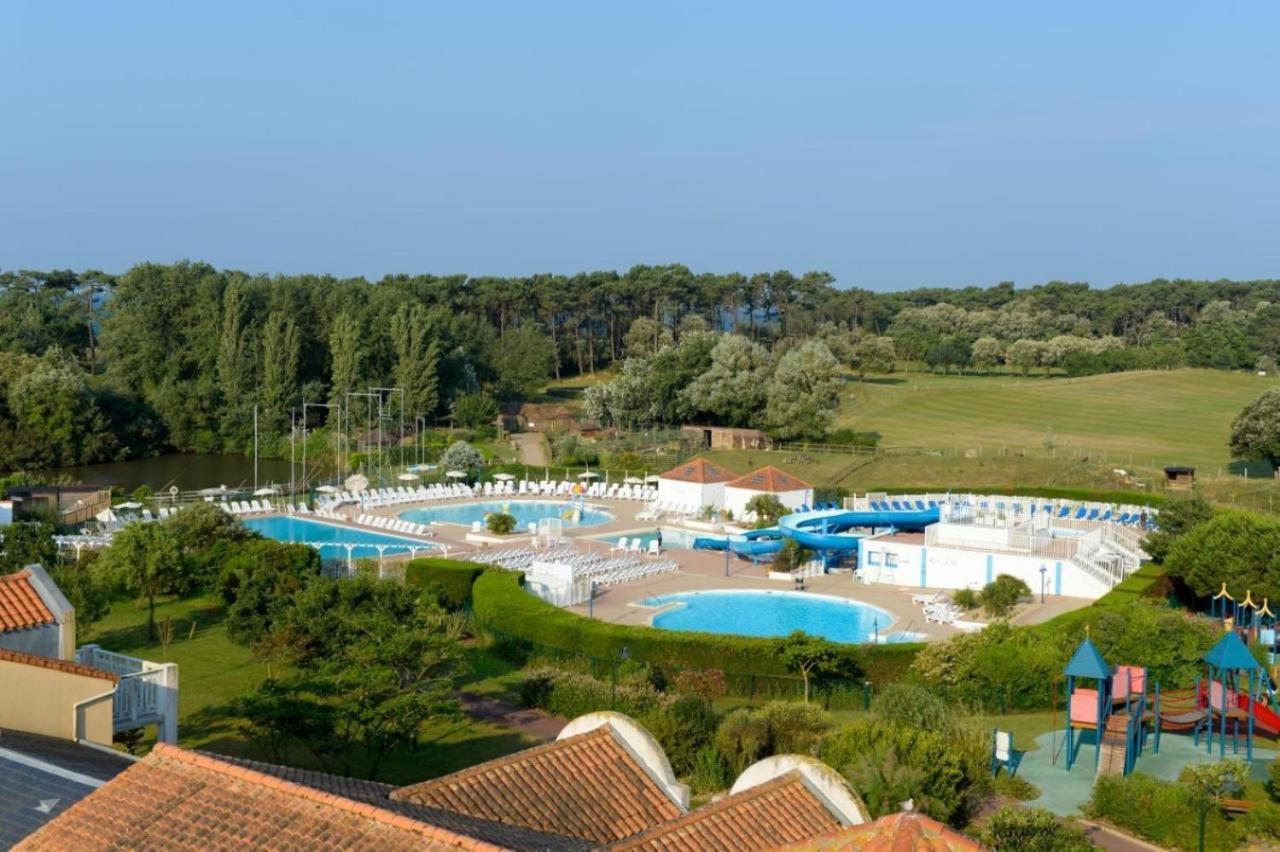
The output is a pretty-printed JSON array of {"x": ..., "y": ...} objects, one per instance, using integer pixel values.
[
  {"x": 524, "y": 511},
  {"x": 330, "y": 538},
  {"x": 763, "y": 613}
]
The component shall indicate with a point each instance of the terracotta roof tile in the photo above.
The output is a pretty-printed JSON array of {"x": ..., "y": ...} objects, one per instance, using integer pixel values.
[
  {"x": 699, "y": 470},
  {"x": 904, "y": 832},
  {"x": 587, "y": 786},
  {"x": 769, "y": 478},
  {"x": 766, "y": 816},
  {"x": 178, "y": 799},
  {"x": 20, "y": 604},
  {"x": 53, "y": 663}
]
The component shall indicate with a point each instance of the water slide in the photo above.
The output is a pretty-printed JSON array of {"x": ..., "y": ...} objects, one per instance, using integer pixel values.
[{"x": 826, "y": 530}]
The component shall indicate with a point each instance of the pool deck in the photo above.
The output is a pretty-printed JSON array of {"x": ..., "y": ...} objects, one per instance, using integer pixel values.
[{"x": 699, "y": 569}]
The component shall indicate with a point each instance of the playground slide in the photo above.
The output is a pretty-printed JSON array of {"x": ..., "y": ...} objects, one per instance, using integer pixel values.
[{"x": 1265, "y": 720}]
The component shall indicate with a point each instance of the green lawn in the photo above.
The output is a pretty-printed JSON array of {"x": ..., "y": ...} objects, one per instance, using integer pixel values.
[
  {"x": 1136, "y": 419},
  {"x": 212, "y": 670}
]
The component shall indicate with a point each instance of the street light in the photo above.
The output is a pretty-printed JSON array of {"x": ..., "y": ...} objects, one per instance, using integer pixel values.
[{"x": 1043, "y": 575}]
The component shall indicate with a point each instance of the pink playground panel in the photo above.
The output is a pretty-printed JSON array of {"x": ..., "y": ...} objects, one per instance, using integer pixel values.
[
  {"x": 1128, "y": 680},
  {"x": 1084, "y": 707},
  {"x": 1215, "y": 697}
]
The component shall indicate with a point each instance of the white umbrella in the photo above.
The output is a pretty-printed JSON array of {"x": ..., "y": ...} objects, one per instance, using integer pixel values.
[
  {"x": 358, "y": 482},
  {"x": 590, "y": 474},
  {"x": 633, "y": 480},
  {"x": 408, "y": 477},
  {"x": 106, "y": 516},
  {"x": 130, "y": 505},
  {"x": 327, "y": 489},
  {"x": 266, "y": 491},
  {"x": 652, "y": 480},
  {"x": 456, "y": 474},
  {"x": 212, "y": 492},
  {"x": 503, "y": 477}
]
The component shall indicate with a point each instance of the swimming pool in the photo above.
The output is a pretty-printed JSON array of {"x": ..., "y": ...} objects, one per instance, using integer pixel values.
[
  {"x": 765, "y": 613},
  {"x": 330, "y": 538},
  {"x": 524, "y": 511}
]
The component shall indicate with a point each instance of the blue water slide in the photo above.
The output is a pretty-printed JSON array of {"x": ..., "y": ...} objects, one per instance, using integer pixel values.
[
  {"x": 829, "y": 530},
  {"x": 753, "y": 543},
  {"x": 703, "y": 543}
]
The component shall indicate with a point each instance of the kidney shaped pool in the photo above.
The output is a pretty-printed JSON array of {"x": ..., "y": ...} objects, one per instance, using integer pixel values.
[{"x": 766, "y": 613}]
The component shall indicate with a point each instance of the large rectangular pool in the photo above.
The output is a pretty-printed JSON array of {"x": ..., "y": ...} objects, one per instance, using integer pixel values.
[{"x": 331, "y": 539}]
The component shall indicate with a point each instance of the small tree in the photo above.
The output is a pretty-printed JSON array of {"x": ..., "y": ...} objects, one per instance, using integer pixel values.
[
  {"x": 461, "y": 456},
  {"x": 1255, "y": 433},
  {"x": 1210, "y": 783},
  {"x": 791, "y": 557},
  {"x": 144, "y": 559},
  {"x": 473, "y": 410},
  {"x": 500, "y": 522},
  {"x": 1002, "y": 594},
  {"x": 810, "y": 656},
  {"x": 767, "y": 507}
]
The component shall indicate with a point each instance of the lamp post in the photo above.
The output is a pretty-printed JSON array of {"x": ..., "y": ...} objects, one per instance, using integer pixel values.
[{"x": 1043, "y": 575}]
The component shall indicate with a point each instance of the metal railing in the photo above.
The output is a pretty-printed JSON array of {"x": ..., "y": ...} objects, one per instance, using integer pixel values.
[{"x": 147, "y": 692}]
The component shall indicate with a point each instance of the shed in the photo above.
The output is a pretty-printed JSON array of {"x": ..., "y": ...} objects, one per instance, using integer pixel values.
[
  {"x": 791, "y": 490},
  {"x": 726, "y": 438},
  {"x": 1179, "y": 478}
]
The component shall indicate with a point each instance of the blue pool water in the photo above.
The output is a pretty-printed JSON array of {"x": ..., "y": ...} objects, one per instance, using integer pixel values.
[
  {"x": 329, "y": 536},
  {"x": 759, "y": 613},
  {"x": 524, "y": 511}
]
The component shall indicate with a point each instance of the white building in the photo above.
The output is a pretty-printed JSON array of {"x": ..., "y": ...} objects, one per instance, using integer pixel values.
[
  {"x": 792, "y": 491},
  {"x": 696, "y": 483},
  {"x": 35, "y": 617}
]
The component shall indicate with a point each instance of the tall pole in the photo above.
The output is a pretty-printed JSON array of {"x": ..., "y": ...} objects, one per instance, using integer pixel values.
[
  {"x": 293, "y": 432},
  {"x": 255, "y": 448}
]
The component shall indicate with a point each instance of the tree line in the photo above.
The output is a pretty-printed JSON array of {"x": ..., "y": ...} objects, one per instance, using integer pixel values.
[{"x": 100, "y": 366}]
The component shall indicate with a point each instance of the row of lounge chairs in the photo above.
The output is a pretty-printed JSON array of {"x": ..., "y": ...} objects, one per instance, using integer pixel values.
[
  {"x": 396, "y": 525},
  {"x": 422, "y": 494},
  {"x": 248, "y": 507},
  {"x": 602, "y": 569},
  {"x": 637, "y": 545},
  {"x": 1027, "y": 507},
  {"x": 659, "y": 508}
]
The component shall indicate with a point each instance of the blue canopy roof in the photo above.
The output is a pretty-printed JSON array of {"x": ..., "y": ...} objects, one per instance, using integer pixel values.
[
  {"x": 1231, "y": 653},
  {"x": 1087, "y": 662}
]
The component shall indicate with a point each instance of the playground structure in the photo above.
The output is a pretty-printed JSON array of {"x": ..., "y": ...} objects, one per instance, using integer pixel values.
[{"x": 1123, "y": 709}]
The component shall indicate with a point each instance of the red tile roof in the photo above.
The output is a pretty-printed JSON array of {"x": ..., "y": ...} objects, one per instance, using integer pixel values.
[
  {"x": 766, "y": 816},
  {"x": 52, "y": 663},
  {"x": 903, "y": 832},
  {"x": 20, "y": 604},
  {"x": 587, "y": 786},
  {"x": 769, "y": 478},
  {"x": 699, "y": 470},
  {"x": 175, "y": 798}
]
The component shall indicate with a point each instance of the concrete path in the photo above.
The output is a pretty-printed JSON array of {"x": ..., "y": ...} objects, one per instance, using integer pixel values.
[
  {"x": 535, "y": 723},
  {"x": 531, "y": 449}
]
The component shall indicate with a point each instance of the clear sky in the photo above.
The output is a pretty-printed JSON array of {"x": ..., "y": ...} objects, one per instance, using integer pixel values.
[{"x": 891, "y": 144}]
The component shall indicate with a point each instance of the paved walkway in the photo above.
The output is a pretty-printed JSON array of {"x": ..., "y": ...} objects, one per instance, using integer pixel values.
[
  {"x": 535, "y": 723},
  {"x": 531, "y": 449}
]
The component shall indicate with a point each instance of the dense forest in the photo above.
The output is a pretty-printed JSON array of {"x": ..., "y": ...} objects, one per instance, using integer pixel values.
[{"x": 100, "y": 366}]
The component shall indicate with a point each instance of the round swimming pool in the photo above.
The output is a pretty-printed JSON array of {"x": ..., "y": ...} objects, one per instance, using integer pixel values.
[
  {"x": 764, "y": 613},
  {"x": 524, "y": 511}
]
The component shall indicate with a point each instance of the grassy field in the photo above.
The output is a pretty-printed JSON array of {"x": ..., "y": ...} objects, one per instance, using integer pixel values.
[
  {"x": 212, "y": 671},
  {"x": 1123, "y": 419}
]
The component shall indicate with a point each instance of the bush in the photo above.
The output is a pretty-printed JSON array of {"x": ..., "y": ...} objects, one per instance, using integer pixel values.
[
  {"x": 1239, "y": 548},
  {"x": 966, "y": 599},
  {"x": 742, "y": 738},
  {"x": 461, "y": 456},
  {"x": 791, "y": 556},
  {"x": 795, "y": 727},
  {"x": 913, "y": 705},
  {"x": 710, "y": 771},
  {"x": 684, "y": 727},
  {"x": 1032, "y": 830},
  {"x": 1163, "y": 812},
  {"x": 499, "y": 604},
  {"x": 571, "y": 694},
  {"x": 1015, "y": 787},
  {"x": 947, "y": 774},
  {"x": 448, "y": 580},
  {"x": 1001, "y": 595},
  {"x": 708, "y": 685},
  {"x": 1273, "y": 780},
  {"x": 1263, "y": 822},
  {"x": 500, "y": 523},
  {"x": 1176, "y": 518}
]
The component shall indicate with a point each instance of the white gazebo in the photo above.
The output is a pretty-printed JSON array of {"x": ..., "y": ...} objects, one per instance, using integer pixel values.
[
  {"x": 792, "y": 491},
  {"x": 696, "y": 483}
]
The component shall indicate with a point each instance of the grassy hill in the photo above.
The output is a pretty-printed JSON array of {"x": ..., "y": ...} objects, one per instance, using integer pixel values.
[{"x": 1140, "y": 419}]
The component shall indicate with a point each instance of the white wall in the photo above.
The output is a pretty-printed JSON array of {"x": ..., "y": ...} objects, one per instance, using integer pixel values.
[
  {"x": 736, "y": 499},
  {"x": 901, "y": 563},
  {"x": 691, "y": 493}
]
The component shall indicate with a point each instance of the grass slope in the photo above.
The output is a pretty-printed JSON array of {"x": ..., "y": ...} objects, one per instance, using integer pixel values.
[{"x": 1165, "y": 417}]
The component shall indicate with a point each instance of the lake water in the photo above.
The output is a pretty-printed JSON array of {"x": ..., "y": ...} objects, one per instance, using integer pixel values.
[{"x": 188, "y": 471}]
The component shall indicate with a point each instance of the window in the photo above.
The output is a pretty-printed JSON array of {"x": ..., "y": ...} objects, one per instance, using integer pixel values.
[
  {"x": 890, "y": 559},
  {"x": 873, "y": 557}
]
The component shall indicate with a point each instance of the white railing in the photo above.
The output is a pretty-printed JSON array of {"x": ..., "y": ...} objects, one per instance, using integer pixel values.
[{"x": 147, "y": 693}]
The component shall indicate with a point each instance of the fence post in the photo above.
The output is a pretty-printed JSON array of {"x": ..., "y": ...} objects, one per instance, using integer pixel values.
[
  {"x": 751, "y": 690},
  {"x": 866, "y": 695}
]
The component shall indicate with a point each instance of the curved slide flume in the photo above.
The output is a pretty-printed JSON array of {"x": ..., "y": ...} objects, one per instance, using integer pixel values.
[{"x": 827, "y": 530}]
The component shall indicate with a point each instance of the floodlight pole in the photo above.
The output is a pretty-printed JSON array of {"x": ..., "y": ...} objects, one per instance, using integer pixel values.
[
  {"x": 349, "y": 394},
  {"x": 305, "y": 405},
  {"x": 390, "y": 391}
]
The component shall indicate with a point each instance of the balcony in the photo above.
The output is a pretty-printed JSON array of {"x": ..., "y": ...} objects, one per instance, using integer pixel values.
[{"x": 147, "y": 693}]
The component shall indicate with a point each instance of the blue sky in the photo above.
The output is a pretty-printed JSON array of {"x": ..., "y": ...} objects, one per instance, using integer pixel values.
[{"x": 893, "y": 145}]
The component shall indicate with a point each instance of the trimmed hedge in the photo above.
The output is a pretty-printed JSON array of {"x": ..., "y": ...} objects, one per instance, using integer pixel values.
[
  {"x": 500, "y": 604},
  {"x": 1096, "y": 495},
  {"x": 451, "y": 579}
]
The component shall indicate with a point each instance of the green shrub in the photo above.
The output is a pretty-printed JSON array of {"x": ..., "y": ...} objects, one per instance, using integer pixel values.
[
  {"x": 1263, "y": 822},
  {"x": 1163, "y": 812},
  {"x": 500, "y": 523},
  {"x": 966, "y": 599},
  {"x": 742, "y": 738},
  {"x": 795, "y": 727},
  {"x": 1273, "y": 780},
  {"x": 571, "y": 694},
  {"x": 1001, "y": 595},
  {"x": 947, "y": 774},
  {"x": 913, "y": 705},
  {"x": 502, "y": 606},
  {"x": 1032, "y": 830},
  {"x": 710, "y": 771},
  {"x": 1239, "y": 548},
  {"x": 1015, "y": 787},
  {"x": 684, "y": 727},
  {"x": 449, "y": 580}
]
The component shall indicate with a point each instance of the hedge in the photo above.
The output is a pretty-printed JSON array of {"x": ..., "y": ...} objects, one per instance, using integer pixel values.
[
  {"x": 1095, "y": 495},
  {"x": 501, "y": 605},
  {"x": 451, "y": 579}
]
